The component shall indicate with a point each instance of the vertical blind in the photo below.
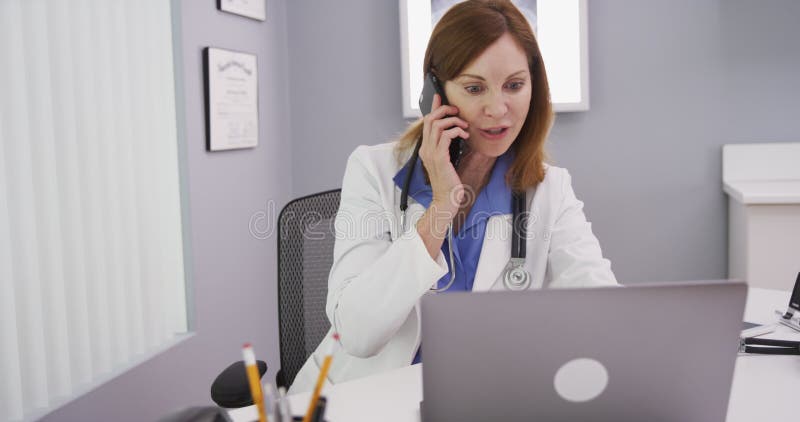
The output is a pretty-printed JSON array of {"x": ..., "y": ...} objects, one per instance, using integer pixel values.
[{"x": 91, "y": 255}]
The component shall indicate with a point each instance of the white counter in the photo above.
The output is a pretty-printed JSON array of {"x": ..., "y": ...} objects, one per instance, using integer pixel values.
[{"x": 763, "y": 185}]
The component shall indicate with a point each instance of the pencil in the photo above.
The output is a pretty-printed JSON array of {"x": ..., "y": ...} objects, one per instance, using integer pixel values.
[
  {"x": 254, "y": 378},
  {"x": 323, "y": 373}
]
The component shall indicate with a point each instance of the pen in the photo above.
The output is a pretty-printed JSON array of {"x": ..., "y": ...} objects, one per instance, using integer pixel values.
[
  {"x": 254, "y": 379},
  {"x": 283, "y": 406},
  {"x": 323, "y": 373},
  {"x": 270, "y": 401}
]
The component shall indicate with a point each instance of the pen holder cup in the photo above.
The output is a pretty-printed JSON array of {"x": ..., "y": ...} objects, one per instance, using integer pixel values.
[{"x": 319, "y": 411}]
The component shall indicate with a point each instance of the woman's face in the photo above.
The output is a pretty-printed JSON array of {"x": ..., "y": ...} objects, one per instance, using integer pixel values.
[{"x": 493, "y": 94}]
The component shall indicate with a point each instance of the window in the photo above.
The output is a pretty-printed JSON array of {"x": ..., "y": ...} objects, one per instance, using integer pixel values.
[
  {"x": 91, "y": 247},
  {"x": 561, "y": 30}
]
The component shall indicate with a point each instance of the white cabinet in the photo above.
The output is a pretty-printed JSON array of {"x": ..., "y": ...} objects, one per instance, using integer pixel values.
[{"x": 763, "y": 186}]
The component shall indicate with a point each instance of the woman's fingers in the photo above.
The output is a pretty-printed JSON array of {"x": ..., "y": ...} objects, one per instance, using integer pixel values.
[
  {"x": 452, "y": 133},
  {"x": 448, "y": 122},
  {"x": 441, "y": 112},
  {"x": 438, "y": 112},
  {"x": 448, "y": 136}
]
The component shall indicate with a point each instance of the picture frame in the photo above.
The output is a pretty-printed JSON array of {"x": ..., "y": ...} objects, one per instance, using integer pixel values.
[
  {"x": 253, "y": 9},
  {"x": 231, "y": 99},
  {"x": 561, "y": 28}
]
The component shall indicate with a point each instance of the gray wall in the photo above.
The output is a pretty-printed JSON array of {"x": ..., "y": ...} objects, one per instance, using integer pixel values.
[
  {"x": 670, "y": 81},
  {"x": 234, "y": 273},
  {"x": 344, "y": 58}
]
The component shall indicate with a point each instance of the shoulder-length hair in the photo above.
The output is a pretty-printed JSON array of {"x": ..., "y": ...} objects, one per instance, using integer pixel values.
[{"x": 463, "y": 33}]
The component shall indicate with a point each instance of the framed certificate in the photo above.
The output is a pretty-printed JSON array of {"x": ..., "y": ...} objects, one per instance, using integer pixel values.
[
  {"x": 231, "y": 86},
  {"x": 253, "y": 9}
]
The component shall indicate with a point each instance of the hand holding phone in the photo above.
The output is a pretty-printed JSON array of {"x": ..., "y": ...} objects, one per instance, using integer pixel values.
[{"x": 443, "y": 135}]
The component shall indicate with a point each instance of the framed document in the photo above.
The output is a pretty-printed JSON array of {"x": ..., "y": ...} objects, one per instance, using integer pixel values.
[
  {"x": 231, "y": 86},
  {"x": 254, "y": 9},
  {"x": 561, "y": 30}
]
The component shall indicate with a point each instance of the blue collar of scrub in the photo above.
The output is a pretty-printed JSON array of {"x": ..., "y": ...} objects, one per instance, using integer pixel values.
[{"x": 494, "y": 199}]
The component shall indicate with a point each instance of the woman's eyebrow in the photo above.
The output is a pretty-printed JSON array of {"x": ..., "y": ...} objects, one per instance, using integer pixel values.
[
  {"x": 468, "y": 75},
  {"x": 517, "y": 73}
]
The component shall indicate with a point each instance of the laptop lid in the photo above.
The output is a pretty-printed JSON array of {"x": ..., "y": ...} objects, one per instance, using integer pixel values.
[{"x": 654, "y": 352}]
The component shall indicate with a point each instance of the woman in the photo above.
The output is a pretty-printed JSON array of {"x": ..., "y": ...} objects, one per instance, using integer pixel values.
[{"x": 495, "y": 81}]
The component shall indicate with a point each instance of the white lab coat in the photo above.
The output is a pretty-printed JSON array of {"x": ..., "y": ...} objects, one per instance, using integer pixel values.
[{"x": 379, "y": 273}]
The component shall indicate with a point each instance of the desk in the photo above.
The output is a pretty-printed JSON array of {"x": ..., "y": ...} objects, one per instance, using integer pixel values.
[
  {"x": 763, "y": 383},
  {"x": 760, "y": 383}
]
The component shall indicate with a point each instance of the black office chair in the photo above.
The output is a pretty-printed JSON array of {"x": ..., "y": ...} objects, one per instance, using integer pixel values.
[{"x": 305, "y": 255}]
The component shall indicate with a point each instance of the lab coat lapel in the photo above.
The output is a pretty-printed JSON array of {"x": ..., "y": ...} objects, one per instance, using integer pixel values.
[{"x": 495, "y": 252}]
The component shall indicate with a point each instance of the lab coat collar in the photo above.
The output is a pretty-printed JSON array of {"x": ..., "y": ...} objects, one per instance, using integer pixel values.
[{"x": 417, "y": 189}]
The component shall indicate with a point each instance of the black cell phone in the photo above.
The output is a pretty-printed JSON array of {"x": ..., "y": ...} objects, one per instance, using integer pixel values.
[{"x": 429, "y": 88}]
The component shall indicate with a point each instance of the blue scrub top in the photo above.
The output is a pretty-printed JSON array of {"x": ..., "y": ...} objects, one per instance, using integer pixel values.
[{"x": 494, "y": 199}]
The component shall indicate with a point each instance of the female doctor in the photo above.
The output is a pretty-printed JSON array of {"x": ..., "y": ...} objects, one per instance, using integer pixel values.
[{"x": 488, "y": 60}]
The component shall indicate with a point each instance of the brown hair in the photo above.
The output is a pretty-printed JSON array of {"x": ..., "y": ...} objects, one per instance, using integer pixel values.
[{"x": 463, "y": 33}]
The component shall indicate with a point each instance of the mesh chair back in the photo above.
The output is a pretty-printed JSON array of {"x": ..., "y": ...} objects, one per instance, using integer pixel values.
[{"x": 305, "y": 256}]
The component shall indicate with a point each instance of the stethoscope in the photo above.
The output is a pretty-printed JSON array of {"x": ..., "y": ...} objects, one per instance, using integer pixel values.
[{"x": 515, "y": 276}]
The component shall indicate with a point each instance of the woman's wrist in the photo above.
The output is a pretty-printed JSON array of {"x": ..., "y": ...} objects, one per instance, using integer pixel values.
[
  {"x": 445, "y": 206},
  {"x": 436, "y": 220},
  {"x": 442, "y": 213},
  {"x": 432, "y": 228}
]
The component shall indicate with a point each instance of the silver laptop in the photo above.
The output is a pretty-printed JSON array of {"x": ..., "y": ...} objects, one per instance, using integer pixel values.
[{"x": 650, "y": 352}]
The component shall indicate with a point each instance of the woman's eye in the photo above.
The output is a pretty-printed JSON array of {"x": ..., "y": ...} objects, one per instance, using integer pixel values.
[
  {"x": 515, "y": 86},
  {"x": 473, "y": 89}
]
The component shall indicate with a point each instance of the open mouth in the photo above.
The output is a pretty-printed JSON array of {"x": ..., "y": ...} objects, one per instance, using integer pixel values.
[{"x": 494, "y": 133}]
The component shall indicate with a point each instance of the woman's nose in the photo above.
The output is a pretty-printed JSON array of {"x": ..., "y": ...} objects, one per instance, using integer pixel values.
[{"x": 495, "y": 105}]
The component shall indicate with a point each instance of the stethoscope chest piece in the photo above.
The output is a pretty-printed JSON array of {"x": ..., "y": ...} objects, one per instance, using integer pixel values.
[{"x": 515, "y": 277}]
